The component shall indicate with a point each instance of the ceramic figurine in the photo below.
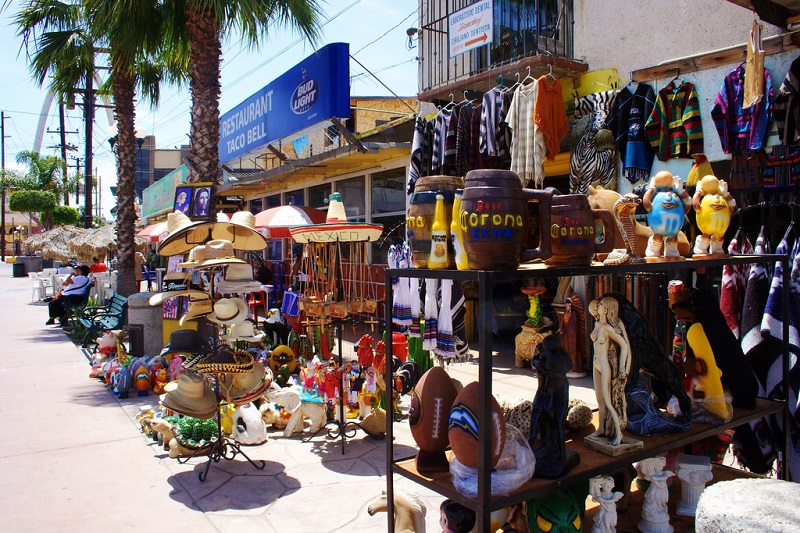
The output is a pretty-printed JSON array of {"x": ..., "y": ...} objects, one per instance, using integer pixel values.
[
  {"x": 602, "y": 490},
  {"x": 694, "y": 471},
  {"x": 655, "y": 514},
  {"x": 666, "y": 203},
  {"x": 455, "y": 518},
  {"x": 714, "y": 205},
  {"x": 409, "y": 510},
  {"x": 547, "y": 430},
  {"x": 569, "y": 339},
  {"x": 560, "y": 510},
  {"x": 612, "y": 363}
]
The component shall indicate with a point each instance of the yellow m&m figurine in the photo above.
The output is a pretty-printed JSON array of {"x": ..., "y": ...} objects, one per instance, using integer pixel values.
[{"x": 713, "y": 205}]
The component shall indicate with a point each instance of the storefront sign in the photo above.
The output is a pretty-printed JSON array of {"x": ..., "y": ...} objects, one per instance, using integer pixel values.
[
  {"x": 313, "y": 91},
  {"x": 160, "y": 196},
  {"x": 470, "y": 27}
]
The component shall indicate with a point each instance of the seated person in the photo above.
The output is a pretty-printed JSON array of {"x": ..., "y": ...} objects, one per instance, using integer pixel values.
[
  {"x": 76, "y": 287},
  {"x": 97, "y": 266}
]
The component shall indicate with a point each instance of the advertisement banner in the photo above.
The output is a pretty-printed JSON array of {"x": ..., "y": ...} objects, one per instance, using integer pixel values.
[
  {"x": 470, "y": 27},
  {"x": 160, "y": 196},
  {"x": 313, "y": 91}
]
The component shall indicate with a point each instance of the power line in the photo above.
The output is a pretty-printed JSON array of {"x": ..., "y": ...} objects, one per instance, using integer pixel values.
[{"x": 385, "y": 34}]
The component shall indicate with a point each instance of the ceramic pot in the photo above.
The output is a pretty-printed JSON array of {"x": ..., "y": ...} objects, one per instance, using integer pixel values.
[
  {"x": 420, "y": 215},
  {"x": 572, "y": 231},
  {"x": 495, "y": 222}
]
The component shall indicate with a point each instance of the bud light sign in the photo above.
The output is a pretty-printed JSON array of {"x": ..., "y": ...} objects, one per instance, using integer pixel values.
[
  {"x": 313, "y": 91},
  {"x": 304, "y": 96}
]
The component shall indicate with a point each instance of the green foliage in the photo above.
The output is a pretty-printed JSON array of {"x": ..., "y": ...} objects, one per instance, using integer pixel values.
[
  {"x": 32, "y": 201},
  {"x": 65, "y": 216}
]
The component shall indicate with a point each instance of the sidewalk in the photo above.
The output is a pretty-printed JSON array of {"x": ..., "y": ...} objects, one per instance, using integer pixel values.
[{"x": 73, "y": 458}]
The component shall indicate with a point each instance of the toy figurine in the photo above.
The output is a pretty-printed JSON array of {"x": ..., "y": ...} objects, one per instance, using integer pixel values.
[
  {"x": 561, "y": 510},
  {"x": 714, "y": 205},
  {"x": 569, "y": 339},
  {"x": 455, "y": 518},
  {"x": 547, "y": 430},
  {"x": 666, "y": 203},
  {"x": 409, "y": 510},
  {"x": 364, "y": 351},
  {"x": 602, "y": 490},
  {"x": 655, "y": 515}
]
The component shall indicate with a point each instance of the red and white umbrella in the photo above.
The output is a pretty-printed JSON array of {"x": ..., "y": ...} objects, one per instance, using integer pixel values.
[
  {"x": 154, "y": 232},
  {"x": 278, "y": 220}
]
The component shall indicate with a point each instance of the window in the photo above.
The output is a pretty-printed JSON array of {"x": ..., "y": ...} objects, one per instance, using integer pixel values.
[
  {"x": 519, "y": 31},
  {"x": 255, "y": 206},
  {"x": 332, "y": 135},
  {"x": 294, "y": 198},
  {"x": 319, "y": 196},
  {"x": 273, "y": 201},
  {"x": 353, "y": 198},
  {"x": 389, "y": 209}
]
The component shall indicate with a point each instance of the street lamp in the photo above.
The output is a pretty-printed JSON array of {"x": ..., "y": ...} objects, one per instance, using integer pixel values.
[{"x": 114, "y": 137}]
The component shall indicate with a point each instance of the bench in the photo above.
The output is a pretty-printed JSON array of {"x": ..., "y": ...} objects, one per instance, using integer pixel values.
[{"x": 99, "y": 319}]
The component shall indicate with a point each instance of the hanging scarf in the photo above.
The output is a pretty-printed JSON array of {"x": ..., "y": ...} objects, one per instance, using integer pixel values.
[
  {"x": 399, "y": 257},
  {"x": 430, "y": 334},
  {"x": 414, "y": 330},
  {"x": 734, "y": 283},
  {"x": 445, "y": 342}
]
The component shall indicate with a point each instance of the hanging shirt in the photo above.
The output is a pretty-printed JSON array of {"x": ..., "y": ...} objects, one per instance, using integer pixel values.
[
  {"x": 417, "y": 145},
  {"x": 527, "y": 144},
  {"x": 550, "y": 115},
  {"x": 440, "y": 138},
  {"x": 741, "y": 128},
  {"x": 627, "y": 119},
  {"x": 466, "y": 140},
  {"x": 674, "y": 128},
  {"x": 787, "y": 106},
  {"x": 490, "y": 120}
]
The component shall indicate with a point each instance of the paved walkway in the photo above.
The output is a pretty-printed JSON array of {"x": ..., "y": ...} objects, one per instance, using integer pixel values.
[{"x": 72, "y": 456}]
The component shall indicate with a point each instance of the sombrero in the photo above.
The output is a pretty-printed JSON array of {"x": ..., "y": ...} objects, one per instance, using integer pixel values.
[
  {"x": 226, "y": 360},
  {"x": 215, "y": 253},
  {"x": 336, "y": 227},
  {"x": 178, "y": 284},
  {"x": 197, "y": 308},
  {"x": 183, "y": 234},
  {"x": 238, "y": 278},
  {"x": 244, "y": 331},
  {"x": 189, "y": 395},
  {"x": 240, "y": 386},
  {"x": 229, "y": 311}
]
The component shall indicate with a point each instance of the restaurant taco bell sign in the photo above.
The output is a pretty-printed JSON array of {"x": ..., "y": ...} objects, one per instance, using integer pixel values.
[{"x": 313, "y": 91}]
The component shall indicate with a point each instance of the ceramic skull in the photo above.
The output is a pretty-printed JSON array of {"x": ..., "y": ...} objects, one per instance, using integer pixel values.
[{"x": 248, "y": 426}]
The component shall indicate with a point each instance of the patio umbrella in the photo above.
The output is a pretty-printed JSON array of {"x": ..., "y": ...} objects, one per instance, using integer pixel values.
[
  {"x": 279, "y": 219},
  {"x": 153, "y": 232}
]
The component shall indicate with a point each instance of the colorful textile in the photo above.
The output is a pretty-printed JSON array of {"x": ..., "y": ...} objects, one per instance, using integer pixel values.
[
  {"x": 445, "y": 341},
  {"x": 467, "y": 155},
  {"x": 440, "y": 138},
  {"x": 741, "y": 128},
  {"x": 431, "y": 329},
  {"x": 781, "y": 167},
  {"x": 627, "y": 118},
  {"x": 415, "y": 166},
  {"x": 490, "y": 122},
  {"x": 734, "y": 283},
  {"x": 674, "y": 128},
  {"x": 527, "y": 142},
  {"x": 787, "y": 106},
  {"x": 549, "y": 114}
]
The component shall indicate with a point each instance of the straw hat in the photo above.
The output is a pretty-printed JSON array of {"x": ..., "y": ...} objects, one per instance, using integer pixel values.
[
  {"x": 244, "y": 331},
  {"x": 238, "y": 278},
  {"x": 183, "y": 234},
  {"x": 189, "y": 395},
  {"x": 215, "y": 253},
  {"x": 178, "y": 284},
  {"x": 197, "y": 308},
  {"x": 228, "y": 360},
  {"x": 245, "y": 235},
  {"x": 229, "y": 311},
  {"x": 239, "y": 386},
  {"x": 194, "y": 255}
]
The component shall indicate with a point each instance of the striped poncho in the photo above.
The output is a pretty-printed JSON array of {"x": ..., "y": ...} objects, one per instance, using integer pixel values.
[{"x": 674, "y": 128}]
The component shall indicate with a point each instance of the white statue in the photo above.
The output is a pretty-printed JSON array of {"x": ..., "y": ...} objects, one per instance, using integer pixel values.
[
  {"x": 694, "y": 471},
  {"x": 655, "y": 514},
  {"x": 605, "y": 518}
]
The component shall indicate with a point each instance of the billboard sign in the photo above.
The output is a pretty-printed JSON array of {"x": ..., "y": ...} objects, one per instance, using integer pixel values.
[
  {"x": 470, "y": 27},
  {"x": 313, "y": 91}
]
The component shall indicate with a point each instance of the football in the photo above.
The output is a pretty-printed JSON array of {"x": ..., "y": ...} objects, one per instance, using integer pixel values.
[
  {"x": 428, "y": 416},
  {"x": 463, "y": 427}
]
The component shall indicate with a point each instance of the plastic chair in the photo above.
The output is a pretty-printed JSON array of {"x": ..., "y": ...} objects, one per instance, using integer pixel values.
[
  {"x": 36, "y": 286},
  {"x": 149, "y": 276},
  {"x": 278, "y": 285},
  {"x": 255, "y": 300}
]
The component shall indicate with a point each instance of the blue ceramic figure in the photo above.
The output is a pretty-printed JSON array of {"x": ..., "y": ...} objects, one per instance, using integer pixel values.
[{"x": 666, "y": 203}]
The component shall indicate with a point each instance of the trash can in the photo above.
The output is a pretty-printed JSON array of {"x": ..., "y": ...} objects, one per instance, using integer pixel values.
[{"x": 18, "y": 270}]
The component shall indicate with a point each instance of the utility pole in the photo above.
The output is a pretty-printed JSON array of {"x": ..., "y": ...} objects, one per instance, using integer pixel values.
[
  {"x": 88, "y": 117},
  {"x": 63, "y": 146},
  {"x": 77, "y": 182},
  {"x": 3, "y": 185}
]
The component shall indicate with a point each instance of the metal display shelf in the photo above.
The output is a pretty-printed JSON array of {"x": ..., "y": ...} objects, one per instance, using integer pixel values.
[{"x": 592, "y": 462}]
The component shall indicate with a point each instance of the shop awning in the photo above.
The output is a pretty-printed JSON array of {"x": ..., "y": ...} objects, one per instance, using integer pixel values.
[{"x": 153, "y": 232}]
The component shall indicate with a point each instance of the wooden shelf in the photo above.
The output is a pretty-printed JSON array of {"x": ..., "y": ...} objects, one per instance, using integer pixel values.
[{"x": 592, "y": 463}]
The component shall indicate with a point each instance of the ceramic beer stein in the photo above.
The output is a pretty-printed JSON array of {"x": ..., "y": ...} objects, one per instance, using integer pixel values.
[{"x": 572, "y": 231}]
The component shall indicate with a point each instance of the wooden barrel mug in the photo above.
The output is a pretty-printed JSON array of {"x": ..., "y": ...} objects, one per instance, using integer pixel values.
[
  {"x": 420, "y": 215},
  {"x": 572, "y": 231},
  {"x": 494, "y": 219}
]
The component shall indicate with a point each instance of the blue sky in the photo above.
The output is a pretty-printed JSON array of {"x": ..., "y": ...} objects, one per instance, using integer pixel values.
[{"x": 358, "y": 22}]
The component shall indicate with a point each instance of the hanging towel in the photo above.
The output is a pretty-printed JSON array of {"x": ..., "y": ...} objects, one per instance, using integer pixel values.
[
  {"x": 429, "y": 338},
  {"x": 445, "y": 342},
  {"x": 414, "y": 330}
]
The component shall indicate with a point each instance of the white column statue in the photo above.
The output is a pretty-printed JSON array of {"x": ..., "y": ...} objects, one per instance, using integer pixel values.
[
  {"x": 694, "y": 471},
  {"x": 655, "y": 514}
]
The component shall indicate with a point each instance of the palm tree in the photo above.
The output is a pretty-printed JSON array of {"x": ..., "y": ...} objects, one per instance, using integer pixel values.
[
  {"x": 204, "y": 23},
  {"x": 44, "y": 171}
]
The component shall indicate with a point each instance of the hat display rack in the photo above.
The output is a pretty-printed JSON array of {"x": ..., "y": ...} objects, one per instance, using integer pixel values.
[
  {"x": 328, "y": 296},
  {"x": 233, "y": 375}
]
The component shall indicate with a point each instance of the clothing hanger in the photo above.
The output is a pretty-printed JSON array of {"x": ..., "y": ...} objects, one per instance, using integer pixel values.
[
  {"x": 528, "y": 77},
  {"x": 790, "y": 229},
  {"x": 466, "y": 100},
  {"x": 500, "y": 81},
  {"x": 550, "y": 73},
  {"x": 450, "y": 104},
  {"x": 678, "y": 75},
  {"x": 515, "y": 83}
]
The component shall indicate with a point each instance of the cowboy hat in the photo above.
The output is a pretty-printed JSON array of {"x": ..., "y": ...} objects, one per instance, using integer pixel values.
[
  {"x": 238, "y": 278},
  {"x": 216, "y": 252},
  {"x": 238, "y": 386},
  {"x": 178, "y": 284},
  {"x": 197, "y": 308},
  {"x": 229, "y": 311},
  {"x": 244, "y": 331},
  {"x": 183, "y": 234},
  {"x": 226, "y": 360},
  {"x": 194, "y": 255},
  {"x": 190, "y": 395},
  {"x": 186, "y": 341}
]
